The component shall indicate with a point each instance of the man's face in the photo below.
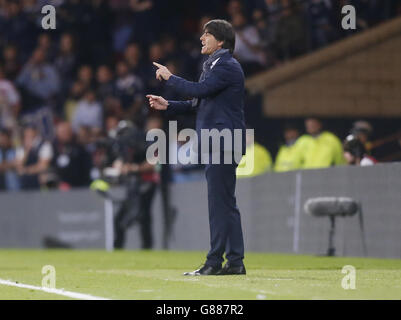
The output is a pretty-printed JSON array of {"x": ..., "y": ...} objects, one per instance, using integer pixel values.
[
  {"x": 38, "y": 56},
  {"x": 66, "y": 43},
  {"x": 132, "y": 53},
  {"x": 103, "y": 74},
  {"x": 64, "y": 132},
  {"x": 313, "y": 126},
  {"x": 155, "y": 52},
  {"x": 209, "y": 43},
  {"x": 122, "y": 69},
  {"x": 291, "y": 135},
  {"x": 349, "y": 158}
]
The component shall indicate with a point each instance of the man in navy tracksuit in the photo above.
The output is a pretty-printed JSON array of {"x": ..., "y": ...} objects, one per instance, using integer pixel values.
[{"x": 218, "y": 100}]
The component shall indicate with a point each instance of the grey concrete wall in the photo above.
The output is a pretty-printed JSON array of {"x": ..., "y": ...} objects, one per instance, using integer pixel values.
[{"x": 271, "y": 207}]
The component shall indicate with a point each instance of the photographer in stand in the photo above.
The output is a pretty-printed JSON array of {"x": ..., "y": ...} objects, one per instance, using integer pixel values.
[{"x": 140, "y": 179}]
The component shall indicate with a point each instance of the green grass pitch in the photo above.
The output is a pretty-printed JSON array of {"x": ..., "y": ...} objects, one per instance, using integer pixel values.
[{"x": 158, "y": 275}]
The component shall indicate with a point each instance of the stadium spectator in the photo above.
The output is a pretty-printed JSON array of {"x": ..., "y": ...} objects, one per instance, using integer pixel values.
[
  {"x": 122, "y": 32},
  {"x": 266, "y": 35},
  {"x": 39, "y": 85},
  {"x": 169, "y": 45},
  {"x": 291, "y": 38},
  {"x": 20, "y": 27},
  {"x": 289, "y": 156},
  {"x": 70, "y": 161},
  {"x": 88, "y": 112},
  {"x": 129, "y": 90},
  {"x": 45, "y": 43},
  {"x": 8, "y": 177},
  {"x": 258, "y": 155},
  {"x": 133, "y": 56},
  {"x": 145, "y": 25},
  {"x": 75, "y": 94},
  {"x": 66, "y": 61},
  {"x": 234, "y": 7},
  {"x": 11, "y": 63},
  {"x": 321, "y": 28},
  {"x": 85, "y": 138},
  {"x": 111, "y": 125},
  {"x": 248, "y": 48},
  {"x": 10, "y": 104},
  {"x": 33, "y": 159},
  {"x": 363, "y": 131},
  {"x": 39, "y": 80},
  {"x": 355, "y": 152},
  {"x": 85, "y": 76},
  {"x": 156, "y": 53},
  {"x": 273, "y": 10},
  {"x": 105, "y": 83},
  {"x": 324, "y": 149}
]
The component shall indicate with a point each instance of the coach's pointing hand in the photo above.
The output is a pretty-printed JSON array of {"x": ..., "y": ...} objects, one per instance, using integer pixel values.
[
  {"x": 162, "y": 73},
  {"x": 157, "y": 102}
]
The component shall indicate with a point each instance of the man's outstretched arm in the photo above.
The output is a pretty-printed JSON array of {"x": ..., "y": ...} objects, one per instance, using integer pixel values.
[
  {"x": 219, "y": 78},
  {"x": 169, "y": 107}
]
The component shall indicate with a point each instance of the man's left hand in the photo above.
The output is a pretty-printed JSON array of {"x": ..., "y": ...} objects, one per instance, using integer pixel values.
[{"x": 162, "y": 73}]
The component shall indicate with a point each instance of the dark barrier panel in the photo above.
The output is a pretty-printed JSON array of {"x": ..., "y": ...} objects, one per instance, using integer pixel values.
[{"x": 271, "y": 206}]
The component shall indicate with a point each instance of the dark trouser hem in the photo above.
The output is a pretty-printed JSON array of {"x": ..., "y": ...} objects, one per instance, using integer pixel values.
[
  {"x": 213, "y": 264},
  {"x": 235, "y": 263}
]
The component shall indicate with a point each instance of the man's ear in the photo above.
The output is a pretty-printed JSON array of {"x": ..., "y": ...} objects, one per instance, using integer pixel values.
[{"x": 220, "y": 43}]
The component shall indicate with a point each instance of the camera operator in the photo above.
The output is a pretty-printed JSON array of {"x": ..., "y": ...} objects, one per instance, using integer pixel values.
[{"x": 140, "y": 179}]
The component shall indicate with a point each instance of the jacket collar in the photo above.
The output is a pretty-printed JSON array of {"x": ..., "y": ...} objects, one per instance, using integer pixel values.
[{"x": 212, "y": 59}]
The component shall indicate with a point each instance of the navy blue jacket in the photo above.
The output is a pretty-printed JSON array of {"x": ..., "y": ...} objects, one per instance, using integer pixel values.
[{"x": 220, "y": 94}]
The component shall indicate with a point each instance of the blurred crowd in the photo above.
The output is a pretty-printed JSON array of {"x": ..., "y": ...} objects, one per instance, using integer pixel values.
[
  {"x": 64, "y": 90},
  {"x": 317, "y": 148}
]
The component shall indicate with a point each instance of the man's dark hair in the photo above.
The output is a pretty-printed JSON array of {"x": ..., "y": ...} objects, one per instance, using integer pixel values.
[
  {"x": 291, "y": 125},
  {"x": 222, "y": 30}
]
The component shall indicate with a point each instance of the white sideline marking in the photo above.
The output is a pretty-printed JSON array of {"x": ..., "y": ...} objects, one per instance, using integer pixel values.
[{"x": 60, "y": 292}]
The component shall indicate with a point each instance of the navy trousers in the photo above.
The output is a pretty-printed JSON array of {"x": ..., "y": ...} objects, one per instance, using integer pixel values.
[{"x": 224, "y": 216}]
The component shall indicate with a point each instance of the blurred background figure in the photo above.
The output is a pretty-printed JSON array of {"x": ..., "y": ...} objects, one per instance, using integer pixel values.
[
  {"x": 355, "y": 152},
  {"x": 256, "y": 153},
  {"x": 129, "y": 90},
  {"x": 10, "y": 103},
  {"x": 33, "y": 160},
  {"x": 85, "y": 76},
  {"x": 8, "y": 178},
  {"x": 39, "y": 84},
  {"x": 291, "y": 38},
  {"x": 140, "y": 179},
  {"x": 363, "y": 131},
  {"x": 88, "y": 112},
  {"x": 105, "y": 84},
  {"x": 248, "y": 45},
  {"x": 321, "y": 24},
  {"x": 289, "y": 156},
  {"x": 39, "y": 80},
  {"x": 66, "y": 62},
  {"x": 71, "y": 162},
  {"x": 324, "y": 149},
  {"x": 11, "y": 62}
]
